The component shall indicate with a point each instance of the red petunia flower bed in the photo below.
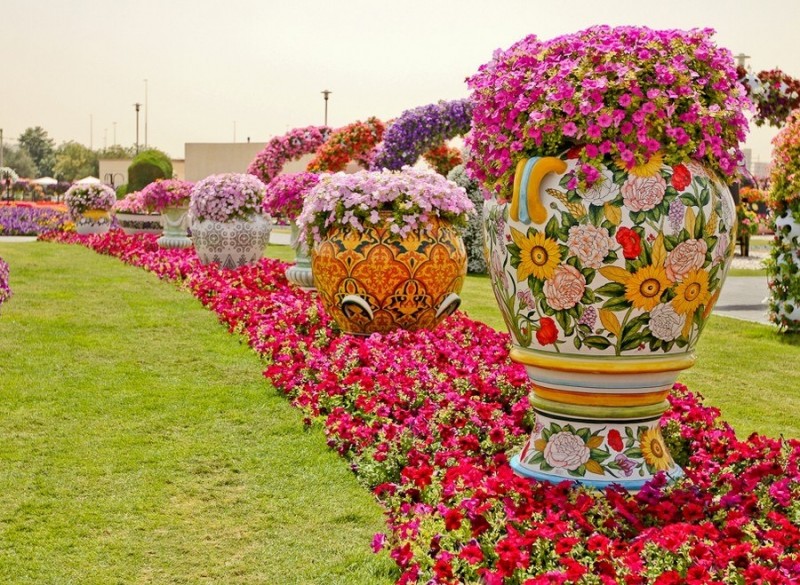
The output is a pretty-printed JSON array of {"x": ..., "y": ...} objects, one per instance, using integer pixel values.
[{"x": 427, "y": 421}]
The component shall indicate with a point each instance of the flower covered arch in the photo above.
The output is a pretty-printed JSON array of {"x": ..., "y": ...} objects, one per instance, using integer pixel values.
[
  {"x": 419, "y": 129},
  {"x": 282, "y": 149},
  {"x": 354, "y": 142}
]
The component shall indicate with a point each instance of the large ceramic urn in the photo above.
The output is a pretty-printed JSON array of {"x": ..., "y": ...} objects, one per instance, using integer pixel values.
[
  {"x": 232, "y": 243},
  {"x": 605, "y": 290},
  {"x": 376, "y": 281},
  {"x": 93, "y": 221}
]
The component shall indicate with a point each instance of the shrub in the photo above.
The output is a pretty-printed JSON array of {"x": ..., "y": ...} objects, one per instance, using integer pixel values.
[
  {"x": 473, "y": 234},
  {"x": 146, "y": 167}
]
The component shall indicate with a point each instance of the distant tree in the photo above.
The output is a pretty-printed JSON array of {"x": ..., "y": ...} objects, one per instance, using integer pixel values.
[
  {"x": 75, "y": 161},
  {"x": 41, "y": 148},
  {"x": 117, "y": 151},
  {"x": 19, "y": 160}
]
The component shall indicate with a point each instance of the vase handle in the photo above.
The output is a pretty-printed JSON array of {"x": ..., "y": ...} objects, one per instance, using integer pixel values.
[
  {"x": 359, "y": 302},
  {"x": 448, "y": 306},
  {"x": 526, "y": 206}
]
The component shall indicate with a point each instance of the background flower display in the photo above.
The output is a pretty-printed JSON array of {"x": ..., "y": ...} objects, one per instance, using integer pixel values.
[
  {"x": 81, "y": 198},
  {"x": 285, "y": 194},
  {"x": 639, "y": 106},
  {"x": 355, "y": 142},
  {"x": 473, "y": 233},
  {"x": 282, "y": 149},
  {"x": 226, "y": 197},
  {"x": 163, "y": 193},
  {"x": 406, "y": 199},
  {"x": 5, "y": 288},
  {"x": 420, "y": 129},
  {"x": 30, "y": 220},
  {"x": 783, "y": 267},
  {"x": 774, "y": 93},
  {"x": 443, "y": 158},
  {"x": 131, "y": 203}
]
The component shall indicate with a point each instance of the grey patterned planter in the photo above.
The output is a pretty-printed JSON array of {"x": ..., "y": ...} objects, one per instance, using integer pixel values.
[
  {"x": 234, "y": 243},
  {"x": 139, "y": 223}
]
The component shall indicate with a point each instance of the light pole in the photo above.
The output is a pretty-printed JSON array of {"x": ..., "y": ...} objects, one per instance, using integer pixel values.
[
  {"x": 741, "y": 58},
  {"x": 326, "y": 93},
  {"x": 146, "y": 110},
  {"x": 115, "y": 133},
  {"x": 137, "y": 105}
]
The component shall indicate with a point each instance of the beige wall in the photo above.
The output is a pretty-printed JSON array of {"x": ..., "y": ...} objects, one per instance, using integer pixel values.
[
  {"x": 115, "y": 171},
  {"x": 206, "y": 158}
]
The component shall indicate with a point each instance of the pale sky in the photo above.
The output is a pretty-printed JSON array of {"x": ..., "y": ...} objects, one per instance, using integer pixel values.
[{"x": 261, "y": 64}]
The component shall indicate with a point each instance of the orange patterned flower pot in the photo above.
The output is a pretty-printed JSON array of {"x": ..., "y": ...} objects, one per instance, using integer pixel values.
[{"x": 377, "y": 281}]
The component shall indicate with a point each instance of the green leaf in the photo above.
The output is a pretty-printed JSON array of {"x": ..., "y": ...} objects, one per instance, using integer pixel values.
[
  {"x": 632, "y": 342},
  {"x": 599, "y": 455},
  {"x": 633, "y": 453},
  {"x": 584, "y": 433},
  {"x": 616, "y": 304},
  {"x": 597, "y": 342},
  {"x": 611, "y": 289},
  {"x": 551, "y": 229}
]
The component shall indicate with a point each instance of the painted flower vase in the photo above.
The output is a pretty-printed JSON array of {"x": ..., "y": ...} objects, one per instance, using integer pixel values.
[
  {"x": 232, "y": 243},
  {"x": 377, "y": 281},
  {"x": 300, "y": 273},
  {"x": 784, "y": 270},
  {"x": 176, "y": 222},
  {"x": 605, "y": 291},
  {"x": 139, "y": 223},
  {"x": 93, "y": 221}
]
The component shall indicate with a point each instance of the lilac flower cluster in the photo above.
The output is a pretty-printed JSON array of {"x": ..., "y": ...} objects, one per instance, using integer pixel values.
[
  {"x": 285, "y": 194},
  {"x": 82, "y": 198},
  {"x": 622, "y": 93},
  {"x": 420, "y": 129},
  {"x": 226, "y": 197},
  {"x": 19, "y": 220},
  {"x": 281, "y": 149},
  {"x": 161, "y": 194},
  {"x": 5, "y": 289},
  {"x": 405, "y": 199}
]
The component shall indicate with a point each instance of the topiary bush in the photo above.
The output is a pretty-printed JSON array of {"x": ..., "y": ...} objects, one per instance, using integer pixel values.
[
  {"x": 473, "y": 233},
  {"x": 146, "y": 167}
]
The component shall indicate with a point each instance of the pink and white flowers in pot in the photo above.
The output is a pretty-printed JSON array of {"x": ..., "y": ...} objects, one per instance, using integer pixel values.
[
  {"x": 227, "y": 221},
  {"x": 170, "y": 198},
  {"x": 610, "y": 230},
  {"x": 284, "y": 197},
  {"x": 134, "y": 218},
  {"x": 89, "y": 206}
]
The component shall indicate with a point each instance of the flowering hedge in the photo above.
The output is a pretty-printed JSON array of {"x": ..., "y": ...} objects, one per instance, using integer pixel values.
[
  {"x": 5, "y": 289},
  {"x": 427, "y": 419},
  {"x": 354, "y": 142},
  {"x": 420, "y": 129},
  {"x": 279, "y": 150}
]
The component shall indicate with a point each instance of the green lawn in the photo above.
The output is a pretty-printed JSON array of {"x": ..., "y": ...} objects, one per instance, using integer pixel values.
[
  {"x": 747, "y": 370},
  {"x": 141, "y": 444}
]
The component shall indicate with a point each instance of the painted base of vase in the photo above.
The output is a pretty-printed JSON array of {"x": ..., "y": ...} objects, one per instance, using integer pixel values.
[
  {"x": 301, "y": 276},
  {"x": 174, "y": 242},
  {"x": 93, "y": 221},
  {"x": 234, "y": 243},
  {"x": 596, "y": 445}
]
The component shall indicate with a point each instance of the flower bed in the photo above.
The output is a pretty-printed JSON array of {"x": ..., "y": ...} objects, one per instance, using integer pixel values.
[
  {"x": 5, "y": 289},
  {"x": 426, "y": 420},
  {"x": 29, "y": 220}
]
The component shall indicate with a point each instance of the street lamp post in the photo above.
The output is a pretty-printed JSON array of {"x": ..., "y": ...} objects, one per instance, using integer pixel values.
[
  {"x": 146, "y": 110},
  {"x": 326, "y": 93},
  {"x": 137, "y": 105}
]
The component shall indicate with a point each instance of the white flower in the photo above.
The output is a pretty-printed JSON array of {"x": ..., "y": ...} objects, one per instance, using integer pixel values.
[
  {"x": 665, "y": 323},
  {"x": 590, "y": 244},
  {"x": 566, "y": 451}
]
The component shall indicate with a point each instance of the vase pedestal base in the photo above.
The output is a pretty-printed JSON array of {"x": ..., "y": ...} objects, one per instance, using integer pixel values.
[
  {"x": 174, "y": 242},
  {"x": 596, "y": 446}
]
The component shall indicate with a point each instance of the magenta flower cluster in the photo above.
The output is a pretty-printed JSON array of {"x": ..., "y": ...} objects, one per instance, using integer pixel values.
[
  {"x": 420, "y": 129},
  {"x": 226, "y": 197},
  {"x": 282, "y": 149},
  {"x": 405, "y": 199},
  {"x": 80, "y": 198},
  {"x": 164, "y": 193},
  {"x": 623, "y": 94},
  {"x": 285, "y": 194},
  {"x": 131, "y": 203},
  {"x": 5, "y": 288},
  {"x": 427, "y": 421}
]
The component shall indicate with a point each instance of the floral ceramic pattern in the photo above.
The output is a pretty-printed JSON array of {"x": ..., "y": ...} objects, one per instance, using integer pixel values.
[
  {"x": 631, "y": 265},
  {"x": 597, "y": 451},
  {"x": 378, "y": 281}
]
